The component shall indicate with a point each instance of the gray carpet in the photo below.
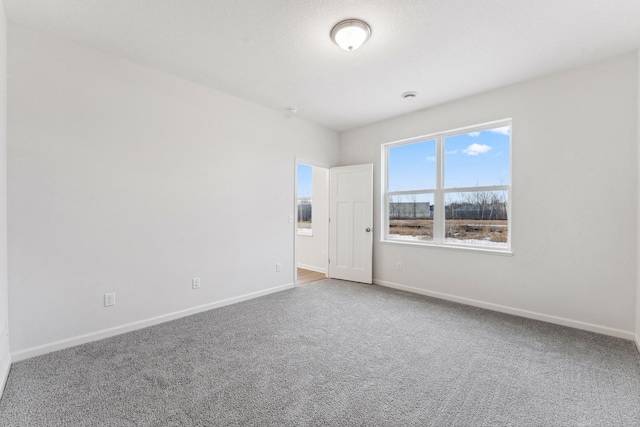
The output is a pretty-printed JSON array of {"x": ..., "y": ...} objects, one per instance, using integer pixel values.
[{"x": 334, "y": 353}]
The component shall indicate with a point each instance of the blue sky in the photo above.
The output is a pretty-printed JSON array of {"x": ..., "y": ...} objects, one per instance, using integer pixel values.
[
  {"x": 304, "y": 180},
  {"x": 471, "y": 159}
]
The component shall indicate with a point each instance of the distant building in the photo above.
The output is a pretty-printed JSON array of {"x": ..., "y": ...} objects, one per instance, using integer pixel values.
[
  {"x": 410, "y": 210},
  {"x": 425, "y": 210}
]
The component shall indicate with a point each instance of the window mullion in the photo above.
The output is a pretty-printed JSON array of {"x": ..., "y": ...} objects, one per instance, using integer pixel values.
[
  {"x": 480, "y": 188},
  {"x": 409, "y": 192},
  {"x": 438, "y": 211},
  {"x": 385, "y": 202}
]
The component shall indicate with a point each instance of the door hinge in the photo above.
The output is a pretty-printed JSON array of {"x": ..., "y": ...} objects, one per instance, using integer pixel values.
[{"x": 329, "y": 260}]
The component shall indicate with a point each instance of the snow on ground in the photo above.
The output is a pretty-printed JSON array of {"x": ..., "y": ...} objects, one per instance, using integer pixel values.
[{"x": 474, "y": 242}]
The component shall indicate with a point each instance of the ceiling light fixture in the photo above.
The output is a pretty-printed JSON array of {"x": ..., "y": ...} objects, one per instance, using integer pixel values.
[
  {"x": 350, "y": 34},
  {"x": 410, "y": 95}
]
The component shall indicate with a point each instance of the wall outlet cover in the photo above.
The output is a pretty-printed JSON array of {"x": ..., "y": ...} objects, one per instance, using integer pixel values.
[{"x": 109, "y": 299}]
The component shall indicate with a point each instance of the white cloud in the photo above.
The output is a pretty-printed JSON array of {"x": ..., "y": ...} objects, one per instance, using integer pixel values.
[
  {"x": 475, "y": 149},
  {"x": 506, "y": 130},
  {"x": 474, "y": 134},
  {"x": 451, "y": 152},
  {"x": 431, "y": 159}
]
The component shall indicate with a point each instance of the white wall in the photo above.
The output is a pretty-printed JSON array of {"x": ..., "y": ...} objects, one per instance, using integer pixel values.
[
  {"x": 124, "y": 179},
  {"x": 574, "y": 208},
  {"x": 311, "y": 250},
  {"x": 5, "y": 357}
]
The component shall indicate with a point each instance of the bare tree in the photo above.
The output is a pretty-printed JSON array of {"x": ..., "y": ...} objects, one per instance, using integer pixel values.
[
  {"x": 413, "y": 200},
  {"x": 393, "y": 207}
]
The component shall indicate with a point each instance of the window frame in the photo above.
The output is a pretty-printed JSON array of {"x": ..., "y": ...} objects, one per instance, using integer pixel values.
[{"x": 439, "y": 192}]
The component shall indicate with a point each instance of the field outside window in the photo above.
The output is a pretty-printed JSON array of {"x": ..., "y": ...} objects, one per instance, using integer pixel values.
[
  {"x": 411, "y": 217},
  {"x": 477, "y": 218}
]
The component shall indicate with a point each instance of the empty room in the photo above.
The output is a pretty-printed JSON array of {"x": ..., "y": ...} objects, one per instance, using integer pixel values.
[{"x": 319, "y": 213}]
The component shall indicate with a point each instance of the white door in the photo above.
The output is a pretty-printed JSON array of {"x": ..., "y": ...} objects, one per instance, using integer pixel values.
[{"x": 351, "y": 223}]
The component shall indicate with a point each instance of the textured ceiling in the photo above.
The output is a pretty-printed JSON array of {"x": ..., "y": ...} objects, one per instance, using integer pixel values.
[{"x": 278, "y": 53}]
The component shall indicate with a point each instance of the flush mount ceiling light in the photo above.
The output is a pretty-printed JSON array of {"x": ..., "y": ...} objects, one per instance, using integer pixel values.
[
  {"x": 350, "y": 34},
  {"x": 410, "y": 95}
]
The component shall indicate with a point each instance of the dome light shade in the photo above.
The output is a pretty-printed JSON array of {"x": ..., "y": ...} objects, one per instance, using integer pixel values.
[{"x": 350, "y": 34}]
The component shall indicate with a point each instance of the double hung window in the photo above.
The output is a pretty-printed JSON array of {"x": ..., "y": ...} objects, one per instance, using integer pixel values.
[{"x": 450, "y": 189}]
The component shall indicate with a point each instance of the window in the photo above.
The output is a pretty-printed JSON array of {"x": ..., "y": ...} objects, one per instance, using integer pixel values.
[
  {"x": 450, "y": 189},
  {"x": 304, "y": 198}
]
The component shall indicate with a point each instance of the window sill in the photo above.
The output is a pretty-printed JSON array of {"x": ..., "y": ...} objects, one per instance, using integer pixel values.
[
  {"x": 305, "y": 233},
  {"x": 451, "y": 247}
]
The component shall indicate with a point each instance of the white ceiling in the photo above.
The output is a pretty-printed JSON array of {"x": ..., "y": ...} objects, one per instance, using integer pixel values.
[{"x": 278, "y": 53}]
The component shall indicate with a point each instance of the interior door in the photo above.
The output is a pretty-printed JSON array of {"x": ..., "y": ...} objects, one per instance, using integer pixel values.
[{"x": 351, "y": 223}]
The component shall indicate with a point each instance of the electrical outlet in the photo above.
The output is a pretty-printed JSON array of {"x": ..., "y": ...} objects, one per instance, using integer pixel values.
[
  {"x": 290, "y": 219},
  {"x": 278, "y": 267},
  {"x": 109, "y": 299},
  {"x": 399, "y": 266},
  {"x": 195, "y": 283}
]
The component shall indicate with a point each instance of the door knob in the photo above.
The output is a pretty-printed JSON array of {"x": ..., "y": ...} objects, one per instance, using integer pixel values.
[{"x": 368, "y": 230}]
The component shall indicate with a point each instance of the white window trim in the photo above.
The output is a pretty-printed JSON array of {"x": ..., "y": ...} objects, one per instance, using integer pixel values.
[{"x": 439, "y": 191}]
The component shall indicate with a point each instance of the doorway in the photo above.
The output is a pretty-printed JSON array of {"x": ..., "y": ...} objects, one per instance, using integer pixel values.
[{"x": 312, "y": 221}]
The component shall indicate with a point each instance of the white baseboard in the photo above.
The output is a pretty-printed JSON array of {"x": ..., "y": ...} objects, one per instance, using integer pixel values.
[
  {"x": 4, "y": 372},
  {"x": 604, "y": 330},
  {"x": 106, "y": 333},
  {"x": 312, "y": 268}
]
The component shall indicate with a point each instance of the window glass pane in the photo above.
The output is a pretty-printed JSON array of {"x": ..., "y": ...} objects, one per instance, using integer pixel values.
[
  {"x": 477, "y": 158},
  {"x": 304, "y": 180},
  {"x": 412, "y": 166},
  {"x": 477, "y": 218},
  {"x": 305, "y": 173},
  {"x": 304, "y": 215},
  {"x": 411, "y": 217}
]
